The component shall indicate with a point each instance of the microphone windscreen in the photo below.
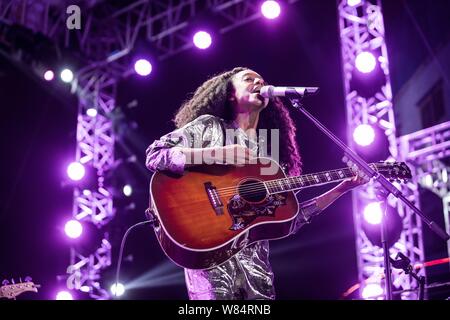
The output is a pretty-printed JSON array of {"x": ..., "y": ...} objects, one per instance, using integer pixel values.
[{"x": 267, "y": 91}]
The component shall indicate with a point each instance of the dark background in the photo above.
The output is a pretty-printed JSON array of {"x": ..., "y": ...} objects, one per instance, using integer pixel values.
[{"x": 37, "y": 140}]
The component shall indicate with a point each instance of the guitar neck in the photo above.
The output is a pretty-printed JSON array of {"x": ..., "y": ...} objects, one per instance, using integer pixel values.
[{"x": 308, "y": 180}]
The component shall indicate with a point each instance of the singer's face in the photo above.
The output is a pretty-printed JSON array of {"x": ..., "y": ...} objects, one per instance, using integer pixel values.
[{"x": 245, "y": 96}]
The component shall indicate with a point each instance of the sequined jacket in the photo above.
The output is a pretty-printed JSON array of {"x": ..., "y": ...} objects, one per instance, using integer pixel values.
[{"x": 247, "y": 275}]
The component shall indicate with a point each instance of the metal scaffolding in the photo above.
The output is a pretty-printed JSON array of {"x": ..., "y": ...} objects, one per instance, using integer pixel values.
[
  {"x": 362, "y": 29},
  {"x": 104, "y": 45},
  {"x": 95, "y": 148},
  {"x": 426, "y": 149},
  {"x": 110, "y": 28}
]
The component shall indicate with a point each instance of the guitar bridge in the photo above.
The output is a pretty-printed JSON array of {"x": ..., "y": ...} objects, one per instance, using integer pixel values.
[{"x": 214, "y": 198}]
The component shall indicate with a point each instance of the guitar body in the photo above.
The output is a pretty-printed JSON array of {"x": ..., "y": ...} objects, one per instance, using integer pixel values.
[
  {"x": 212, "y": 212},
  {"x": 200, "y": 225}
]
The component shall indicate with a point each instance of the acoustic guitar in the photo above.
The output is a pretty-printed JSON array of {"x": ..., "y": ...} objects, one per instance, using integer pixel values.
[{"x": 211, "y": 212}]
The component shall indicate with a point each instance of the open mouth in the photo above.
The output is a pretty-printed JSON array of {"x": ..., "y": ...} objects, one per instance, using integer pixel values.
[
  {"x": 260, "y": 97},
  {"x": 257, "y": 91}
]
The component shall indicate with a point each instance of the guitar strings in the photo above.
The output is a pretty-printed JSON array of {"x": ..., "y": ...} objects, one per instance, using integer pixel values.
[
  {"x": 308, "y": 177},
  {"x": 261, "y": 186},
  {"x": 264, "y": 185},
  {"x": 255, "y": 190}
]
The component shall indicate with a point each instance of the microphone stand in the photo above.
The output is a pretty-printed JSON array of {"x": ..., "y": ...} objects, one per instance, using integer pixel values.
[
  {"x": 363, "y": 166},
  {"x": 403, "y": 262},
  {"x": 382, "y": 195}
]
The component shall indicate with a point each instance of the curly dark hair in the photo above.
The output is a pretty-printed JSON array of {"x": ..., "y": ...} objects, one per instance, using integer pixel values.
[{"x": 212, "y": 98}]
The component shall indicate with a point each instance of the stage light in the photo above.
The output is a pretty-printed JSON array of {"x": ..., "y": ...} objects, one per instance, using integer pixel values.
[
  {"x": 370, "y": 142},
  {"x": 64, "y": 295},
  {"x": 117, "y": 291},
  {"x": 373, "y": 213},
  {"x": 143, "y": 67},
  {"x": 66, "y": 75},
  {"x": 127, "y": 190},
  {"x": 85, "y": 289},
  {"x": 353, "y": 3},
  {"x": 364, "y": 135},
  {"x": 270, "y": 9},
  {"x": 365, "y": 62},
  {"x": 372, "y": 290},
  {"x": 444, "y": 175},
  {"x": 162, "y": 275},
  {"x": 91, "y": 112},
  {"x": 73, "y": 229},
  {"x": 76, "y": 171},
  {"x": 202, "y": 39},
  {"x": 49, "y": 75},
  {"x": 428, "y": 180}
]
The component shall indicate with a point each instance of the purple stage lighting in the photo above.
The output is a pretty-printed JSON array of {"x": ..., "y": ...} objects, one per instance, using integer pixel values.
[
  {"x": 76, "y": 171},
  {"x": 117, "y": 291},
  {"x": 49, "y": 75},
  {"x": 143, "y": 67},
  {"x": 64, "y": 295},
  {"x": 270, "y": 9},
  {"x": 202, "y": 39},
  {"x": 85, "y": 289},
  {"x": 372, "y": 213},
  {"x": 73, "y": 229},
  {"x": 66, "y": 75},
  {"x": 365, "y": 62},
  {"x": 372, "y": 290},
  {"x": 364, "y": 135},
  {"x": 91, "y": 112},
  {"x": 127, "y": 190},
  {"x": 353, "y": 3}
]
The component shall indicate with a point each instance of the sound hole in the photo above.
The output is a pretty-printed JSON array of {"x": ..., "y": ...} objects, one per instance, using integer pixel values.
[{"x": 252, "y": 190}]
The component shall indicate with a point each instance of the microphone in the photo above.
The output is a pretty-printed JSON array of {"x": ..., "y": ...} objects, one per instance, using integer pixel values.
[{"x": 288, "y": 92}]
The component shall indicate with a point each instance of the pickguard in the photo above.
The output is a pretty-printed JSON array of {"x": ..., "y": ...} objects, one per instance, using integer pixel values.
[{"x": 243, "y": 212}]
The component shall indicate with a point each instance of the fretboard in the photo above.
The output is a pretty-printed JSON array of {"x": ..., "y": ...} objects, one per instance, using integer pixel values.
[{"x": 308, "y": 180}]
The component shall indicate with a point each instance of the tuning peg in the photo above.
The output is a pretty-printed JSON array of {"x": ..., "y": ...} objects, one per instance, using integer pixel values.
[
  {"x": 344, "y": 159},
  {"x": 354, "y": 167},
  {"x": 12, "y": 281},
  {"x": 28, "y": 279},
  {"x": 5, "y": 282}
]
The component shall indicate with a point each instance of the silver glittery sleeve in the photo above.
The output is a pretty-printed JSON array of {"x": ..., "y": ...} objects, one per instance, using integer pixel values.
[
  {"x": 308, "y": 210},
  {"x": 199, "y": 133}
]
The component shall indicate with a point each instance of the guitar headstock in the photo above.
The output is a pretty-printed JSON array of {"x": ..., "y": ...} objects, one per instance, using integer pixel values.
[
  {"x": 393, "y": 171},
  {"x": 11, "y": 291}
]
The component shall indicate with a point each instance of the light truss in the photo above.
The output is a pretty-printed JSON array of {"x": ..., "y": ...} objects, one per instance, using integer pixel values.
[
  {"x": 110, "y": 30},
  {"x": 362, "y": 29},
  {"x": 427, "y": 149},
  {"x": 96, "y": 89},
  {"x": 85, "y": 270}
]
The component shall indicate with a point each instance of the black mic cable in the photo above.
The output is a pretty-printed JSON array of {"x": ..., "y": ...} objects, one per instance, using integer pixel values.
[{"x": 122, "y": 245}]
